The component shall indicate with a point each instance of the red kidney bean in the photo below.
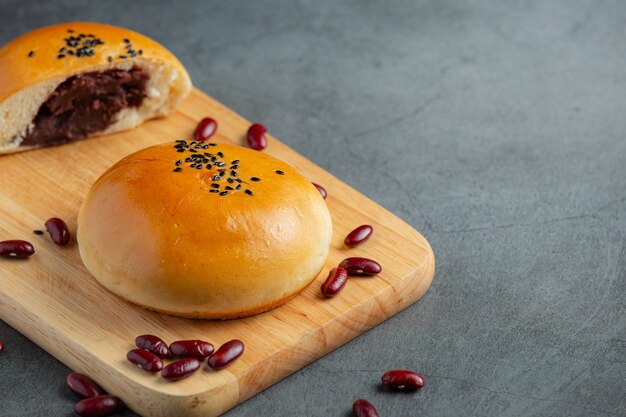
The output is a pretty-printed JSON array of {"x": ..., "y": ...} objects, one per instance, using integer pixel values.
[
  {"x": 153, "y": 344},
  {"x": 364, "y": 408},
  {"x": 180, "y": 369},
  {"x": 226, "y": 354},
  {"x": 361, "y": 266},
  {"x": 145, "y": 359},
  {"x": 16, "y": 249},
  {"x": 191, "y": 348},
  {"x": 83, "y": 385},
  {"x": 205, "y": 129},
  {"x": 256, "y": 137},
  {"x": 335, "y": 282},
  {"x": 358, "y": 235},
  {"x": 321, "y": 189},
  {"x": 59, "y": 232},
  {"x": 401, "y": 379},
  {"x": 100, "y": 406}
]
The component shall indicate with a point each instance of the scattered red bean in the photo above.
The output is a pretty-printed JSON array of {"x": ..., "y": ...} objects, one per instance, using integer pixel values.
[
  {"x": 191, "y": 349},
  {"x": 335, "y": 282},
  {"x": 83, "y": 385},
  {"x": 100, "y": 406},
  {"x": 153, "y": 344},
  {"x": 358, "y": 235},
  {"x": 256, "y": 137},
  {"x": 145, "y": 359},
  {"x": 226, "y": 354},
  {"x": 205, "y": 129},
  {"x": 364, "y": 408},
  {"x": 16, "y": 249},
  {"x": 403, "y": 380},
  {"x": 361, "y": 266},
  {"x": 58, "y": 230},
  {"x": 321, "y": 189},
  {"x": 180, "y": 369},
  {"x": 1, "y": 345}
]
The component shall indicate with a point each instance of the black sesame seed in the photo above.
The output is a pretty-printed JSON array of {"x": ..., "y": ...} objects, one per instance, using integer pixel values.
[
  {"x": 233, "y": 173},
  {"x": 209, "y": 166},
  {"x": 126, "y": 40},
  {"x": 38, "y": 232},
  {"x": 31, "y": 54},
  {"x": 238, "y": 179},
  {"x": 62, "y": 49},
  {"x": 110, "y": 58},
  {"x": 180, "y": 150},
  {"x": 215, "y": 185},
  {"x": 123, "y": 57},
  {"x": 187, "y": 159},
  {"x": 178, "y": 163},
  {"x": 60, "y": 56},
  {"x": 224, "y": 193},
  {"x": 199, "y": 166},
  {"x": 238, "y": 186},
  {"x": 230, "y": 180},
  {"x": 228, "y": 187},
  {"x": 212, "y": 144},
  {"x": 216, "y": 178},
  {"x": 279, "y": 172},
  {"x": 234, "y": 167},
  {"x": 193, "y": 165},
  {"x": 192, "y": 150},
  {"x": 249, "y": 192},
  {"x": 255, "y": 179},
  {"x": 221, "y": 155},
  {"x": 140, "y": 52},
  {"x": 70, "y": 31},
  {"x": 177, "y": 169},
  {"x": 236, "y": 161},
  {"x": 214, "y": 191}
]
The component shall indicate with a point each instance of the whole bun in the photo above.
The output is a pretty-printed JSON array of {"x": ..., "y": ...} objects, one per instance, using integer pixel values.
[
  {"x": 65, "y": 63},
  {"x": 204, "y": 230}
]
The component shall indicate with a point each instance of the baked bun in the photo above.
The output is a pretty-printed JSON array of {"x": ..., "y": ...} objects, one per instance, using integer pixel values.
[
  {"x": 74, "y": 80},
  {"x": 204, "y": 230}
]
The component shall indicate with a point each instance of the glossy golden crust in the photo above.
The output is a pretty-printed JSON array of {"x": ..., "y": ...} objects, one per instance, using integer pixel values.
[
  {"x": 163, "y": 240},
  {"x": 18, "y": 70}
]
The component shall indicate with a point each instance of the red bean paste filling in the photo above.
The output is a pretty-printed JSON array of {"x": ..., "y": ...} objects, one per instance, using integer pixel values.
[{"x": 85, "y": 104}]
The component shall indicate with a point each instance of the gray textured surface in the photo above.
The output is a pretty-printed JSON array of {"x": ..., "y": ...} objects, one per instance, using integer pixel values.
[{"x": 497, "y": 130}]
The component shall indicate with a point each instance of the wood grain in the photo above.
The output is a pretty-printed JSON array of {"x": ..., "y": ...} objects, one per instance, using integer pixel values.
[{"x": 52, "y": 299}]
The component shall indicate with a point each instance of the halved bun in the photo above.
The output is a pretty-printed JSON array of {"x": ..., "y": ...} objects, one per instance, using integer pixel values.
[
  {"x": 192, "y": 242},
  {"x": 34, "y": 65}
]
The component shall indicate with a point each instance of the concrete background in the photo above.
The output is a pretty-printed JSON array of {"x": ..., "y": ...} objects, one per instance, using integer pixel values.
[{"x": 497, "y": 129}]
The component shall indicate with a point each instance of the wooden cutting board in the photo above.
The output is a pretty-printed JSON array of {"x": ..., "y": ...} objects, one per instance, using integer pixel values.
[{"x": 54, "y": 301}]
